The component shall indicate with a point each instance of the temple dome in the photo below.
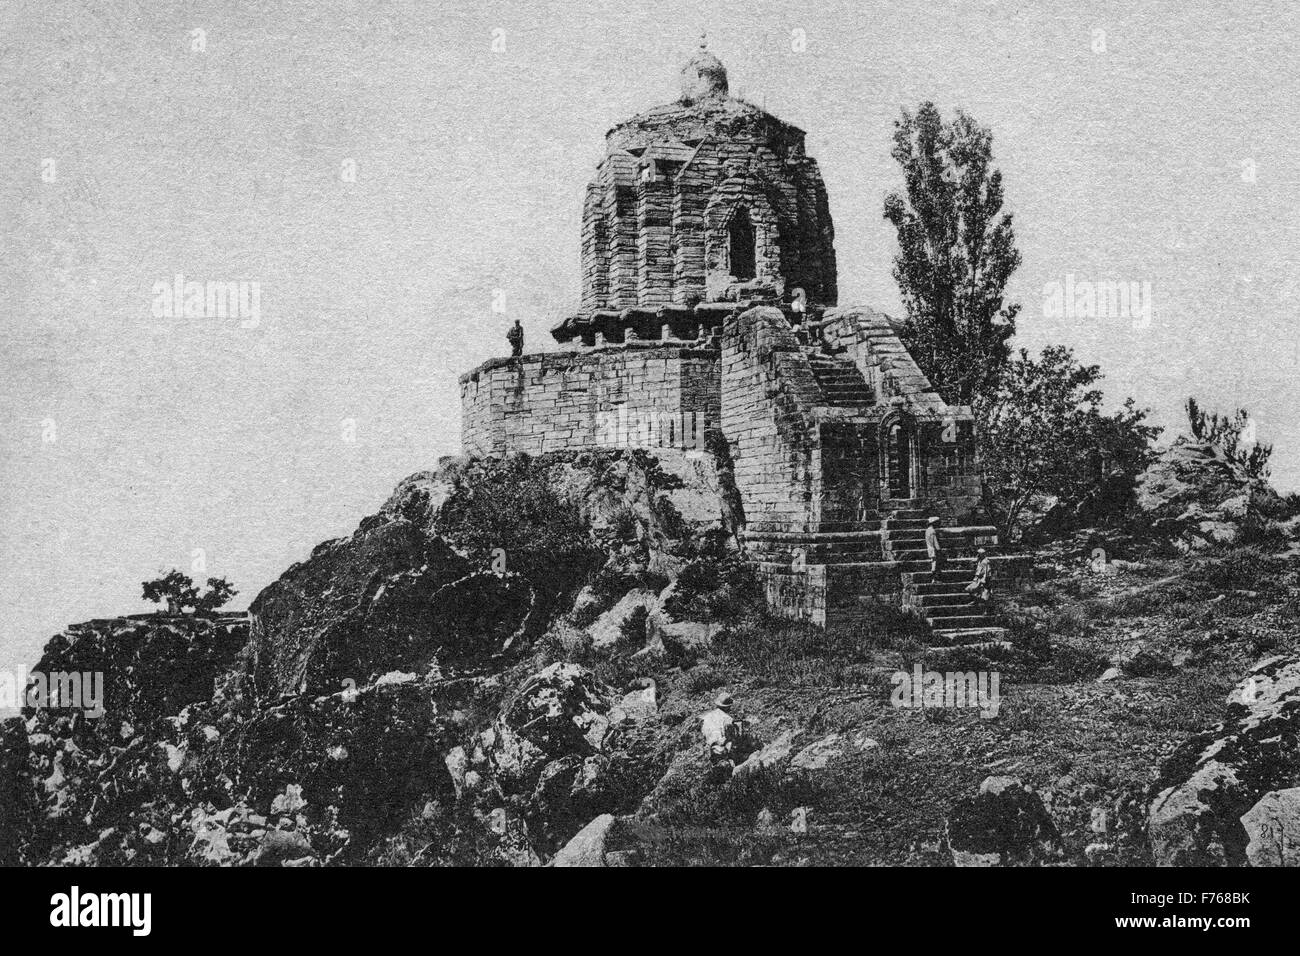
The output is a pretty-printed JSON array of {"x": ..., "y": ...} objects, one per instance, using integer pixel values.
[
  {"x": 703, "y": 77},
  {"x": 705, "y": 202}
]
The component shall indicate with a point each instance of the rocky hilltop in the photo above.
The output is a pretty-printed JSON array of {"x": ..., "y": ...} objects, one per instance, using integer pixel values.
[{"x": 507, "y": 663}]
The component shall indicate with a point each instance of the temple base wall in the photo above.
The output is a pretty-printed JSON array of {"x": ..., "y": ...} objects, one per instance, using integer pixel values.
[{"x": 633, "y": 395}]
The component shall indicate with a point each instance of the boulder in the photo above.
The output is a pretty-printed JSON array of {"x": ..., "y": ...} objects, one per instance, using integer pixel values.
[
  {"x": 771, "y": 755},
  {"x": 561, "y": 711},
  {"x": 1273, "y": 828},
  {"x": 1004, "y": 824},
  {"x": 587, "y": 848},
  {"x": 568, "y": 791},
  {"x": 388, "y": 597},
  {"x": 818, "y": 754},
  {"x": 1208, "y": 784},
  {"x": 284, "y": 848},
  {"x": 608, "y": 629},
  {"x": 683, "y": 637},
  {"x": 642, "y": 701},
  {"x": 513, "y": 843}
]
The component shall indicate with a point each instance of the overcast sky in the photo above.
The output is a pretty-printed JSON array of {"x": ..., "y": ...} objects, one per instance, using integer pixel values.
[{"x": 1140, "y": 142}]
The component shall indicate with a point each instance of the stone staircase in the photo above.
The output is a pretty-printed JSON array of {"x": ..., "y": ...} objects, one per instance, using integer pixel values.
[
  {"x": 953, "y": 615},
  {"x": 840, "y": 380},
  {"x": 895, "y": 550}
]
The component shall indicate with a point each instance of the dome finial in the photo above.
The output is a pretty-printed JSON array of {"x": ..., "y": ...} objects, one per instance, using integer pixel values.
[{"x": 703, "y": 76}]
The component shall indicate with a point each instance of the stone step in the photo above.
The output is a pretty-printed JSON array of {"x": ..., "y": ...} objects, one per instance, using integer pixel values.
[
  {"x": 839, "y": 387},
  {"x": 934, "y": 611},
  {"x": 808, "y": 536},
  {"x": 847, "y": 395},
  {"x": 811, "y": 558},
  {"x": 966, "y": 635},
  {"x": 956, "y": 594},
  {"x": 939, "y": 588},
  {"x": 841, "y": 380},
  {"x": 904, "y": 534},
  {"x": 954, "y": 571},
  {"x": 958, "y": 622},
  {"x": 936, "y": 653},
  {"x": 908, "y": 554}
]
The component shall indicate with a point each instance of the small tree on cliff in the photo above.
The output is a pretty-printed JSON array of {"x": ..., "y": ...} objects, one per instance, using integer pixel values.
[
  {"x": 1043, "y": 432},
  {"x": 956, "y": 250},
  {"x": 181, "y": 596}
]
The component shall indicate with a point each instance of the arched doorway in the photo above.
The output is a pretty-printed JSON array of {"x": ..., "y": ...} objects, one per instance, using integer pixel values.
[{"x": 898, "y": 453}]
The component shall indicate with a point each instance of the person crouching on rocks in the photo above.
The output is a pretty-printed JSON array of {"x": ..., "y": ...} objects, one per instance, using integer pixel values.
[{"x": 723, "y": 732}]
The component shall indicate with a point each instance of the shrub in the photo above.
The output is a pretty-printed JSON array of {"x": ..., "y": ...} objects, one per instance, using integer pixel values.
[
  {"x": 709, "y": 590},
  {"x": 792, "y": 652},
  {"x": 701, "y": 680},
  {"x": 632, "y": 630},
  {"x": 1245, "y": 567}
]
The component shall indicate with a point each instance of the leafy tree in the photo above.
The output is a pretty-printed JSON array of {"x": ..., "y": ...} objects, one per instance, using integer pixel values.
[
  {"x": 1043, "y": 432},
  {"x": 956, "y": 252},
  {"x": 181, "y": 596},
  {"x": 219, "y": 593},
  {"x": 1215, "y": 429}
]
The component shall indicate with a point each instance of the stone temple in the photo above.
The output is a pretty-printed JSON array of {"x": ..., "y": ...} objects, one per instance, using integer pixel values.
[{"x": 709, "y": 317}]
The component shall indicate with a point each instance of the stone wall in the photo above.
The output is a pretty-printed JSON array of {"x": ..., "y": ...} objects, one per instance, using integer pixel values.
[
  {"x": 634, "y": 395},
  {"x": 768, "y": 395}
]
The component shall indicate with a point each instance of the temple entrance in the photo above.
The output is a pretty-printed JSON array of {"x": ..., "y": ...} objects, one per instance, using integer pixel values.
[
  {"x": 740, "y": 235},
  {"x": 898, "y": 461}
]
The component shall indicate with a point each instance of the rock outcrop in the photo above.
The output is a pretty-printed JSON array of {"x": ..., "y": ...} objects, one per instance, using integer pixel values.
[
  {"x": 475, "y": 559},
  {"x": 1214, "y": 779},
  {"x": 1273, "y": 828},
  {"x": 1200, "y": 496},
  {"x": 153, "y": 664}
]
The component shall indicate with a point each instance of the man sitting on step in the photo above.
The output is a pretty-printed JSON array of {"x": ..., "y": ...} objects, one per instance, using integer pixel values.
[
  {"x": 934, "y": 548},
  {"x": 979, "y": 587}
]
